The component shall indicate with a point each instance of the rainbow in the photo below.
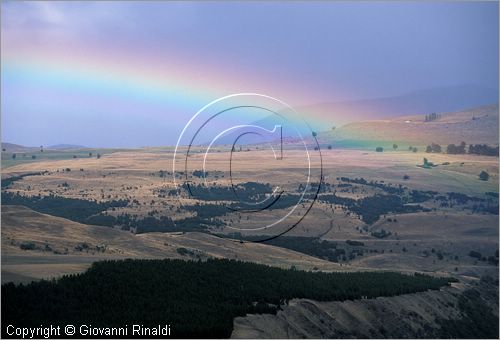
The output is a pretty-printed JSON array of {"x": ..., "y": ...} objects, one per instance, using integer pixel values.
[
  {"x": 85, "y": 86},
  {"x": 153, "y": 80}
]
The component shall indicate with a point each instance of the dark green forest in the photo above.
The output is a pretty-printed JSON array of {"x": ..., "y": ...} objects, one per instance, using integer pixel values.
[
  {"x": 323, "y": 249},
  {"x": 197, "y": 299},
  {"x": 396, "y": 199},
  {"x": 6, "y": 182},
  {"x": 78, "y": 210}
]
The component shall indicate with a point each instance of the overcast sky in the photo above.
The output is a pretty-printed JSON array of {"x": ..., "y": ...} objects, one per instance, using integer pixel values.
[{"x": 133, "y": 73}]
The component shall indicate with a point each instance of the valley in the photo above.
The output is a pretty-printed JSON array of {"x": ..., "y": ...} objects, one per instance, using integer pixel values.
[{"x": 396, "y": 210}]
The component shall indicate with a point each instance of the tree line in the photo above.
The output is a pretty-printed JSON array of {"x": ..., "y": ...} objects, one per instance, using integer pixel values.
[
  {"x": 199, "y": 299},
  {"x": 474, "y": 149}
]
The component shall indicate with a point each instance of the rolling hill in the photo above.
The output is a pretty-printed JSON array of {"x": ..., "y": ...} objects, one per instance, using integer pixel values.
[
  {"x": 36, "y": 246},
  {"x": 473, "y": 126},
  {"x": 439, "y": 99},
  {"x": 10, "y": 147}
]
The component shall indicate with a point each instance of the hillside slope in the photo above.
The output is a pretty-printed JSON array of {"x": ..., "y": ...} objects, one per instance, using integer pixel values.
[
  {"x": 56, "y": 246},
  {"x": 473, "y": 126},
  {"x": 436, "y": 99},
  {"x": 9, "y": 147},
  {"x": 418, "y": 315}
]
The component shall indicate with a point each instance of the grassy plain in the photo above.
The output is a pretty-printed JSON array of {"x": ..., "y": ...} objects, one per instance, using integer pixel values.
[{"x": 135, "y": 176}]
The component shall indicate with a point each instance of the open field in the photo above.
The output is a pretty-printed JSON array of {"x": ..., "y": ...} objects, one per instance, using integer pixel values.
[
  {"x": 461, "y": 174},
  {"x": 65, "y": 247},
  {"x": 143, "y": 178},
  {"x": 14, "y": 154}
]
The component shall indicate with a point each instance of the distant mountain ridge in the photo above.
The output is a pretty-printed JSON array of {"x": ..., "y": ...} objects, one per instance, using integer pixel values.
[
  {"x": 477, "y": 125},
  {"x": 66, "y": 146},
  {"x": 441, "y": 99},
  {"x": 10, "y": 147}
]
